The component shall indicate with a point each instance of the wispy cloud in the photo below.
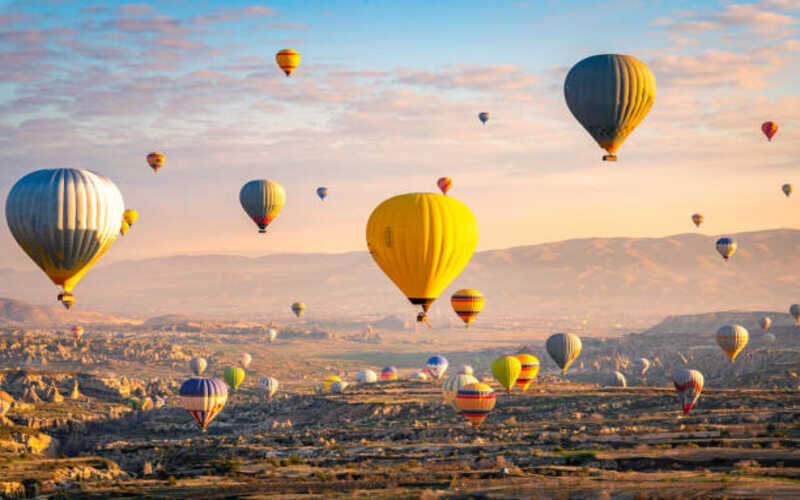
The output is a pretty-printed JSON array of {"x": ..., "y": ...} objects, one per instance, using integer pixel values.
[
  {"x": 481, "y": 78},
  {"x": 234, "y": 14}
]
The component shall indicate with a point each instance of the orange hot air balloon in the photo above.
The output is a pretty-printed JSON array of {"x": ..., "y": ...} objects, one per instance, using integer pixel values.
[
  {"x": 444, "y": 183},
  {"x": 467, "y": 303},
  {"x": 769, "y": 129},
  {"x": 698, "y": 219},
  {"x": 155, "y": 160},
  {"x": 77, "y": 332},
  {"x": 475, "y": 401},
  {"x": 288, "y": 60},
  {"x": 530, "y": 369}
]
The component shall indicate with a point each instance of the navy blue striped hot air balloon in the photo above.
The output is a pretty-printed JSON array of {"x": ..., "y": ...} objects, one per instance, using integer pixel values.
[{"x": 203, "y": 398}]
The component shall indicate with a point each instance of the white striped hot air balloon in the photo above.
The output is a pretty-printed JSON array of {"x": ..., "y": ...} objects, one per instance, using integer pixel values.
[
  {"x": 689, "y": 384},
  {"x": 643, "y": 364},
  {"x": 270, "y": 386},
  {"x": 65, "y": 220},
  {"x": 262, "y": 201},
  {"x": 732, "y": 339},
  {"x": 564, "y": 348},
  {"x": 616, "y": 379},
  {"x": 452, "y": 384},
  {"x": 366, "y": 377}
]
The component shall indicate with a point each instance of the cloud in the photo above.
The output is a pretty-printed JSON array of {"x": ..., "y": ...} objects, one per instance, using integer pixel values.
[
  {"x": 289, "y": 26},
  {"x": 480, "y": 78},
  {"x": 136, "y": 9},
  {"x": 759, "y": 18},
  {"x": 713, "y": 68},
  {"x": 229, "y": 15},
  {"x": 158, "y": 24}
]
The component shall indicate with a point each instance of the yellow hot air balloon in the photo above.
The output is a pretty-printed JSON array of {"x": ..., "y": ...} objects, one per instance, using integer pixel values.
[
  {"x": 262, "y": 200},
  {"x": 130, "y": 216},
  {"x": 288, "y": 60},
  {"x": 330, "y": 380},
  {"x": 475, "y": 401},
  {"x": 234, "y": 376},
  {"x": 530, "y": 369},
  {"x": 467, "y": 303},
  {"x": 610, "y": 94},
  {"x": 422, "y": 241},
  {"x": 124, "y": 228},
  {"x": 298, "y": 308},
  {"x": 65, "y": 220},
  {"x": 506, "y": 370},
  {"x": 732, "y": 339}
]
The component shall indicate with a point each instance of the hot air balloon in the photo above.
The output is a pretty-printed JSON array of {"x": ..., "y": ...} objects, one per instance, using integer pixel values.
[
  {"x": 322, "y": 192},
  {"x": 697, "y": 219},
  {"x": 726, "y": 247},
  {"x": 418, "y": 376},
  {"x": 444, "y": 184},
  {"x": 130, "y": 216},
  {"x": 768, "y": 337},
  {"x": 610, "y": 94},
  {"x": 787, "y": 189},
  {"x": 689, "y": 384},
  {"x": 389, "y": 373},
  {"x": 765, "y": 323},
  {"x": 65, "y": 220},
  {"x": 5, "y": 402},
  {"x": 422, "y": 241},
  {"x": 564, "y": 348},
  {"x": 124, "y": 227},
  {"x": 436, "y": 366},
  {"x": 483, "y": 116},
  {"x": 77, "y": 332},
  {"x": 272, "y": 334},
  {"x": 467, "y": 303},
  {"x": 288, "y": 60},
  {"x": 234, "y": 376},
  {"x": 339, "y": 386},
  {"x": 330, "y": 380},
  {"x": 262, "y": 200},
  {"x": 643, "y": 364},
  {"x": 245, "y": 359},
  {"x": 474, "y": 402},
  {"x": 732, "y": 339},
  {"x": 794, "y": 310},
  {"x": 451, "y": 386},
  {"x": 465, "y": 370},
  {"x": 198, "y": 366},
  {"x": 133, "y": 403},
  {"x": 506, "y": 370},
  {"x": 155, "y": 160},
  {"x": 366, "y": 377},
  {"x": 146, "y": 404},
  {"x": 270, "y": 386},
  {"x": 529, "y": 370},
  {"x": 617, "y": 379},
  {"x": 203, "y": 398},
  {"x": 769, "y": 129},
  {"x": 159, "y": 402},
  {"x": 298, "y": 308}
]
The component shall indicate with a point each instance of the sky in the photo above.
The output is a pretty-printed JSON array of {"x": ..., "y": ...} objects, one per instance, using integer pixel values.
[{"x": 385, "y": 101}]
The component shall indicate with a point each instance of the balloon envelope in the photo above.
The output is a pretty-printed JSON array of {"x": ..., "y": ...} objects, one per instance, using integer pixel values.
[
  {"x": 155, "y": 160},
  {"x": 697, "y": 219},
  {"x": 483, "y": 116},
  {"x": 198, "y": 365},
  {"x": 787, "y": 189},
  {"x": 765, "y": 323},
  {"x": 769, "y": 129},
  {"x": 732, "y": 339},
  {"x": 506, "y": 370},
  {"x": 726, "y": 247},
  {"x": 245, "y": 359},
  {"x": 322, "y": 192},
  {"x": 452, "y": 384},
  {"x": 389, "y": 373},
  {"x": 794, "y": 310},
  {"x": 436, "y": 366},
  {"x": 298, "y": 308},
  {"x": 689, "y": 384},
  {"x": 529, "y": 370},
  {"x": 465, "y": 370},
  {"x": 610, "y": 94},
  {"x": 475, "y": 401},
  {"x": 287, "y": 60},
  {"x": 444, "y": 184},
  {"x": 617, "y": 379},
  {"x": 269, "y": 384},
  {"x": 366, "y": 377},
  {"x": 77, "y": 332},
  {"x": 203, "y": 398},
  {"x": 643, "y": 364},
  {"x": 467, "y": 304},
  {"x": 262, "y": 200},
  {"x": 564, "y": 348},
  {"x": 234, "y": 376}
]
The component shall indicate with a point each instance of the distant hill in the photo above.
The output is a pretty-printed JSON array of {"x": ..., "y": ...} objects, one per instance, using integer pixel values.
[
  {"x": 18, "y": 313},
  {"x": 679, "y": 274},
  {"x": 709, "y": 323}
]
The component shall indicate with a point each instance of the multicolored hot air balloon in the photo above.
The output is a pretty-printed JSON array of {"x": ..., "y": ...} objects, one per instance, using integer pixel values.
[
  {"x": 643, "y": 364},
  {"x": 610, "y": 94},
  {"x": 787, "y": 189},
  {"x": 465, "y": 370},
  {"x": 444, "y": 184},
  {"x": 272, "y": 334},
  {"x": 329, "y": 381},
  {"x": 483, "y": 116},
  {"x": 564, "y": 348},
  {"x": 422, "y": 241},
  {"x": 366, "y": 377},
  {"x": 452, "y": 384},
  {"x": 245, "y": 359},
  {"x": 530, "y": 369},
  {"x": 765, "y": 323},
  {"x": 234, "y": 376},
  {"x": 155, "y": 160},
  {"x": 198, "y": 365},
  {"x": 506, "y": 370},
  {"x": 794, "y": 310},
  {"x": 697, "y": 219},
  {"x": 203, "y": 398},
  {"x": 270, "y": 386},
  {"x": 288, "y": 60},
  {"x": 475, "y": 401},
  {"x": 65, "y": 220},
  {"x": 322, "y": 192},
  {"x": 769, "y": 129},
  {"x": 262, "y": 201},
  {"x": 467, "y": 303},
  {"x": 77, "y": 332},
  {"x": 617, "y": 379},
  {"x": 732, "y": 339},
  {"x": 389, "y": 373},
  {"x": 298, "y": 308},
  {"x": 689, "y": 384},
  {"x": 726, "y": 247},
  {"x": 436, "y": 366}
]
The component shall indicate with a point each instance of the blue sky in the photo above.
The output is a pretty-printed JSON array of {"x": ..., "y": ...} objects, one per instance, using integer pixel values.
[{"x": 385, "y": 101}]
